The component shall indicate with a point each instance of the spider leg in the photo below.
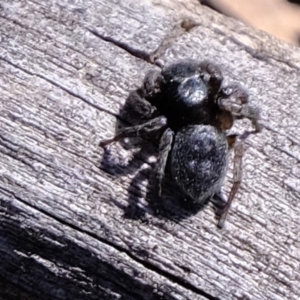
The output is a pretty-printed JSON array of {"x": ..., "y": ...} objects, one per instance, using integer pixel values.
[
  {"x": 234, "y": 98},
  {"x": 165, "y": 146},
  {"x": 152, "y": 82},
  {"x": 219, "y": 203},
  {"x": 236, "y": 90},
  {"x": 237, "y": 176},
  {"x": 151, "y": 126},
  {"x": 137, "y": 102},
  {"x": 215, "y": 75}
]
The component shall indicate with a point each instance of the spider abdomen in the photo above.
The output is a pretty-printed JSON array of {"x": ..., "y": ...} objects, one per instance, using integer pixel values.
[{"x": 199, "y": 161}]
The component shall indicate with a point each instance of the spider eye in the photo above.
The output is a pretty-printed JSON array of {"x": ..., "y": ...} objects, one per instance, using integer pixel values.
[{"x": 226, "y": 92}]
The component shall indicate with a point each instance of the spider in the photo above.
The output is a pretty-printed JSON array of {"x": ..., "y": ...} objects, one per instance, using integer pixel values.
[{"x": 191, "y": 111}]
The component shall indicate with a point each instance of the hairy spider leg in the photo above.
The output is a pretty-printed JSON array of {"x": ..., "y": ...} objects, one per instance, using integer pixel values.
[
  {"x": 151, "y": 126},
  {"x": 240, "y": 110},
  {"x": 136, "y": 100},
  {"x": 165, "y": 147},
  {"x": 152, "y": 82},
  {"x": 237, "y": 176},
  {"x": 215, "y": 75}
]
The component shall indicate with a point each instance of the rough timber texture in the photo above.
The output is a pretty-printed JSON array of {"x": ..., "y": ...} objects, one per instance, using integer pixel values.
[{"x": 75, "y": 223}]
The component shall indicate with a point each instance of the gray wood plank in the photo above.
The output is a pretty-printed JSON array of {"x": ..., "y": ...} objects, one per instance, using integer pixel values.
[{"x": 77, "y": 223}]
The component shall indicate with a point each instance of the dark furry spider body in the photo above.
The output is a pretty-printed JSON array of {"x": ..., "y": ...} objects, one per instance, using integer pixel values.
[{"x": 187, "y": 104}]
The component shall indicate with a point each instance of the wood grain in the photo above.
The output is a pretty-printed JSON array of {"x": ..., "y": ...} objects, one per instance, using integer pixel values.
[{"x": 77, "y": 223}]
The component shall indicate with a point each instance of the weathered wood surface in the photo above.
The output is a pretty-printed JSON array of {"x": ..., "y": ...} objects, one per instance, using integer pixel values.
[{"x": 76, "y": 224}]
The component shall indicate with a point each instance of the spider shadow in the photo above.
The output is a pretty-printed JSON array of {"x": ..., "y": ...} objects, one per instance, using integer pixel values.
[{"x": 173, "y": 204}]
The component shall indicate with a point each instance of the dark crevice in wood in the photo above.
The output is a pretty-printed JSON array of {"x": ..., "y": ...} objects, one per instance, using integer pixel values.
[
  {"x": 11, "y": 291},
  {"x": 178, "y": 30},
  {"x": 287, "y": 153},
  {"x": 40, "y": 248},
  {"x": 18, "y": 67},
  {"x": 173, "y": 278},
  {"x": 135, "y": 52}
]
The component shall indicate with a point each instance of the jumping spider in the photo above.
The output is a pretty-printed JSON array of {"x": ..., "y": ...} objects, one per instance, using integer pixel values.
[{"x": 191, "y": 110}]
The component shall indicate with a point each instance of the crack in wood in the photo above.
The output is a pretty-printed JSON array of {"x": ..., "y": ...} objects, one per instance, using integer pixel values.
[
  {"x": 135, "y": 52},
  {"x": 173, "y": 278},
  {"x": 177, "y": 31}
]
